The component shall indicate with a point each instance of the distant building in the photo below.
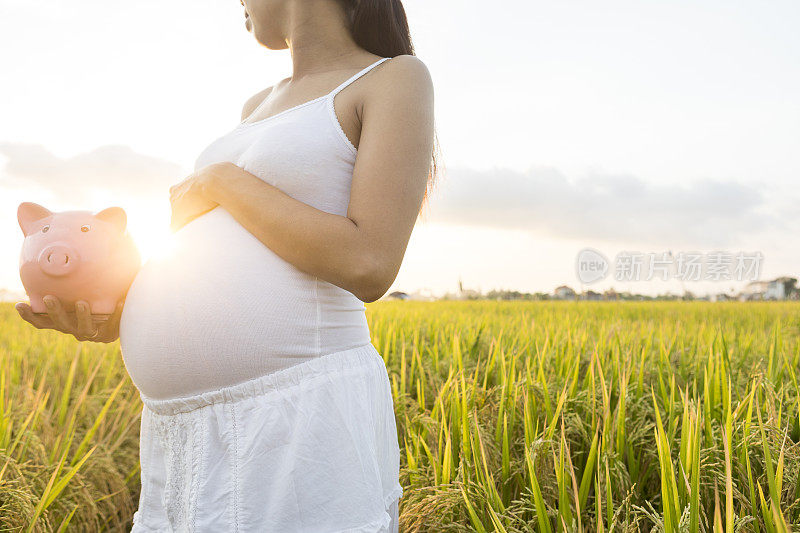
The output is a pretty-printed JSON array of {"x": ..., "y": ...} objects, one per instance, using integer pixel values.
[
  {"x": 755, "y": 290},
  {"x": 397, "y": 295},
  {"x": 421, "y": 295},
  {"x": 591, "y": 295},
  {"x": 564, "y": 293},
  {"x": 780, "y": 289}
]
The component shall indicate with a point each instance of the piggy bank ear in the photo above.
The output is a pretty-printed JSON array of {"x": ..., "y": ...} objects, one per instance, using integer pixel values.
[
  {"x": 114, "y": 215},
  {"x": 27, "y": 215}
]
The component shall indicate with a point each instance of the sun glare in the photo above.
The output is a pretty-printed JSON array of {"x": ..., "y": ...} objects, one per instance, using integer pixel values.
[
  {"x": 158, "y": 247},
  {"x": 154, "y": 240}
]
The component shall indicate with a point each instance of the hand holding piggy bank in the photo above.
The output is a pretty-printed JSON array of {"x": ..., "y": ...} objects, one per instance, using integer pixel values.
[{"x": 76, "y": 256}]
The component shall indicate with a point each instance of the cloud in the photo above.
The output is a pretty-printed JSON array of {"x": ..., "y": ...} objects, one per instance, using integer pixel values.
[
  {"x": 112, "y": 167},
  {"x": 603, "y": 207}
]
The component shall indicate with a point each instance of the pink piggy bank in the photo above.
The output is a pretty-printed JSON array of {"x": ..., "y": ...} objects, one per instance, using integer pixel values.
[{"x": 76, "y": 255}]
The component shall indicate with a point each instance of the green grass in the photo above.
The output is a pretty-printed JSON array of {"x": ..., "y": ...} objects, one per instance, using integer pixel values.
[{"x": 536, "y": 416}]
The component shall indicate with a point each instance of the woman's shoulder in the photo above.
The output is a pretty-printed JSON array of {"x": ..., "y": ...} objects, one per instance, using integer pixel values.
[
  {"x": 405, "y": 75},
  {"x": 254, "y": 101},
  {"x": 407, "y": 68}
]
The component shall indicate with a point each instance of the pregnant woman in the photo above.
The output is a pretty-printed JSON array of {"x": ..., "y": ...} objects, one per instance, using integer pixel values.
[{"x": 266, "y": 406}]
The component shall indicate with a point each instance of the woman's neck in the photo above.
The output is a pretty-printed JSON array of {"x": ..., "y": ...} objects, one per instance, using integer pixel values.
[{"x": 318, "y": 38}]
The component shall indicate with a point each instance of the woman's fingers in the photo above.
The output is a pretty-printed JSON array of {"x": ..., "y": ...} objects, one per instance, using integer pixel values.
[
  {"x": 110, "y": 328},
  {"x": 176, "y": 214},
  {"x": 177, "y": 189},
  {"x": 188, "y": 208},
  {"x": 184, "y": 212},
  {"x": 38, "y": 321},
  {"x": 86, "y": 327},
  {"x": 83, "y": 329},
  {"x": 113, "y": 322},
  {"x": 58, "y": 315},
  {"x": 175, "y": 223}
]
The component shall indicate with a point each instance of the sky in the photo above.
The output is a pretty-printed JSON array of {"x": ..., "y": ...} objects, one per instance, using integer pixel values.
[{"x": 621, "y": 126}]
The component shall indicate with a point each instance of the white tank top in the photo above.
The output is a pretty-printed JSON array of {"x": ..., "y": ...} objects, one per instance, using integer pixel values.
[{"x": 221, "y": 307}]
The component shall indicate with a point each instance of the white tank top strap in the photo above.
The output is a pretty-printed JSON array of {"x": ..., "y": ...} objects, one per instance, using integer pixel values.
[{"x": 356, "y": 76}]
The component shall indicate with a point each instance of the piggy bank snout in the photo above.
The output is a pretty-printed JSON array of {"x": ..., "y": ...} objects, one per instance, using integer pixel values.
[{"x": 58, "y": 260}]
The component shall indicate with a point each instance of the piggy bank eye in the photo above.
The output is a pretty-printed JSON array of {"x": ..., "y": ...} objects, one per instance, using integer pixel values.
[
  {"x": 46, "y": 228},
  {"x": 85, "y": 228}
]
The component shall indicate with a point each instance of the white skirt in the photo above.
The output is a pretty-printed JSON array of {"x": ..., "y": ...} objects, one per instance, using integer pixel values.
[{"x": 310, "y": 448}]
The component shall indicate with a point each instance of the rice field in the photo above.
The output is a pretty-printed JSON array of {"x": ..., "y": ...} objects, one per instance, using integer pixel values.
[{"x": 512, "y": 416}]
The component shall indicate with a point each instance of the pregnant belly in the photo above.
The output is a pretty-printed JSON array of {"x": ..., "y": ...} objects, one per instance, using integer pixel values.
[{"x": 221, "y": 308}]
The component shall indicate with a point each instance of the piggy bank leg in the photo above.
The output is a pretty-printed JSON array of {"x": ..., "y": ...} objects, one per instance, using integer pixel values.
[{"x": 37, "y": 304}]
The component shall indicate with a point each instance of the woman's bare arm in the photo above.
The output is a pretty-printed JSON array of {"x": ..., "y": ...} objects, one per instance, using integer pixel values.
[{"x": 360, "y": 252}]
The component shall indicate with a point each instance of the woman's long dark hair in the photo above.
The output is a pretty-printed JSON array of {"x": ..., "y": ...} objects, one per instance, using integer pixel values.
[{"x": 381, "y": 27}]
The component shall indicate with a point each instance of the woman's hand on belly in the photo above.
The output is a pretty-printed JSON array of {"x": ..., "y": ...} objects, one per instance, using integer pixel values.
[
  {"x": 82, "y": 324},
  {"x": 189, "y": 199}
]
